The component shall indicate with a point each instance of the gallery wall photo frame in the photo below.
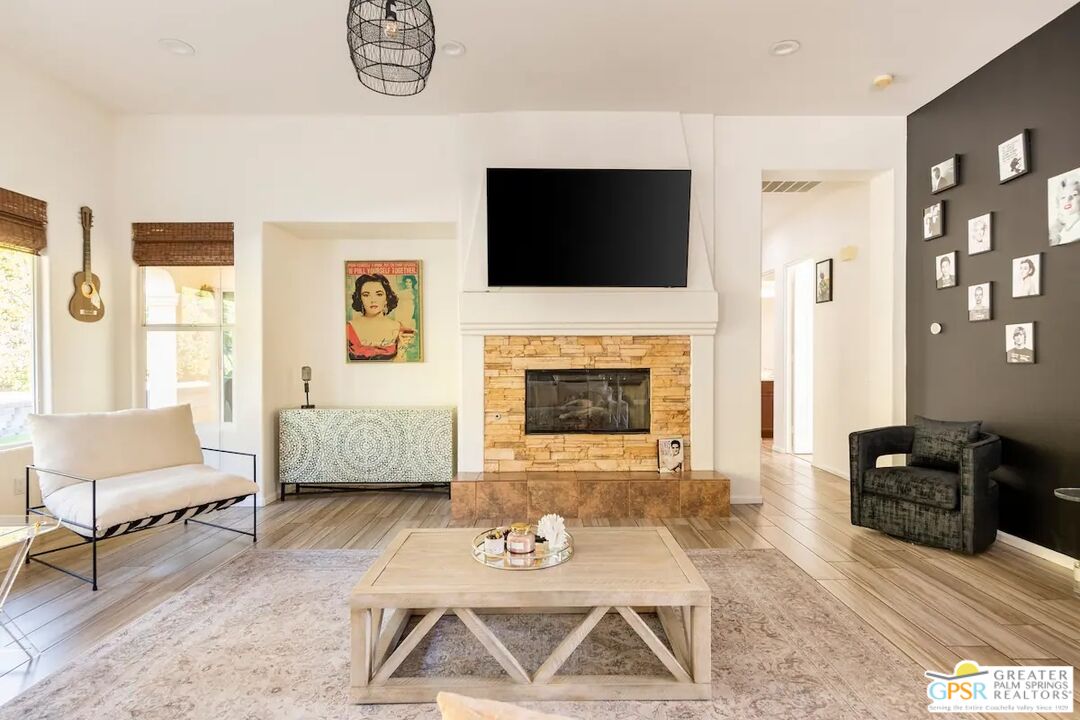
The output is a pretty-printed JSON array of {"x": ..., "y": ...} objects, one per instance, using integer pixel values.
[
  {"x": 945, "y": 271},
  {"x": 981, "y": 234},
  {"x": 1027, "y": 276},
  {"x": 823, "y": 281},
  {"x": 1063, "y": 207},
  {"x": 934, "y": 221},
  {"x": 945, "y": 175},
  {"x": 1014, "y": 157},
  {"x": 1020, "y": 344},
  {"x": 981, "y": 302}
]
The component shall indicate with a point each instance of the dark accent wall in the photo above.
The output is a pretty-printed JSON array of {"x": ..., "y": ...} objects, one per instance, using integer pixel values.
[{"x": 961, "y": 374}]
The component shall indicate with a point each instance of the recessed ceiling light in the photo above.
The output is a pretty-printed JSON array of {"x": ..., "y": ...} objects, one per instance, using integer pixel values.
[
  {"x": 176, "y": 46},
  {"x": 785, "y": 47},
  {"x": 453, "y": 48}
]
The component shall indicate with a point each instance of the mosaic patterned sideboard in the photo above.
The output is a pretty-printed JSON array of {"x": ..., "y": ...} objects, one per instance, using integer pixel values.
[{"x": 366, "y": 445}]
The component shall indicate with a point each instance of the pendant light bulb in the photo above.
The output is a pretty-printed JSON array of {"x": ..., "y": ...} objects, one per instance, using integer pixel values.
[{"x": 390, "y": 29}]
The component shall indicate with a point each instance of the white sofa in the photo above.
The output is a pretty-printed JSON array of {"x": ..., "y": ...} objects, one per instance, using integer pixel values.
[{"x": 108, "y": 474}]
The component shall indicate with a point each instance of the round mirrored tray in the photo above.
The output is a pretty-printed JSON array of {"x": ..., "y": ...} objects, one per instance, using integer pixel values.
[{"x": 541, "y": 558}]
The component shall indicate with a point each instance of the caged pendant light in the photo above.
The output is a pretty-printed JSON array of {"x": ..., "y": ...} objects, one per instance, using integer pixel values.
[{"x": 392, "y": 44}]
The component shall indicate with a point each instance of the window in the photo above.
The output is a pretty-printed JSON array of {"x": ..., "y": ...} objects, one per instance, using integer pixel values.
[
  {"x": 189, "y": 315},
  {"x": 16, "y": 345}
]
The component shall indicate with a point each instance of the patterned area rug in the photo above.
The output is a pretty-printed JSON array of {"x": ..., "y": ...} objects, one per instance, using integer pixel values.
[{"x": 266, "y": 636}]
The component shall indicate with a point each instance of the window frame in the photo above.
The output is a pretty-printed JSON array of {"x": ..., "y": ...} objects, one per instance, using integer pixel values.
[
  {"x": 37, "y": 364},
  {"x": 142, "y": 376}
]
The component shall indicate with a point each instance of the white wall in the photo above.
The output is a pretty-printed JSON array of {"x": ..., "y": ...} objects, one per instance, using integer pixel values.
[
  {"x": 304, "y": 319},
  {"x": 59, "y": 147},
  {"x": 255, "y": 170},
  {"x": 746, "y": 149},
  {"x": 852, "y": 389}
]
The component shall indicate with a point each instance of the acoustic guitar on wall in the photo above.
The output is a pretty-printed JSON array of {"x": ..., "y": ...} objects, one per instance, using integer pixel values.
[{"x": 86, "y": 304}]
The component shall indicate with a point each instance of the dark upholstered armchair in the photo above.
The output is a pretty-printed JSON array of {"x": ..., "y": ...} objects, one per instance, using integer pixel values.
[{"x": 944, "y": 497}]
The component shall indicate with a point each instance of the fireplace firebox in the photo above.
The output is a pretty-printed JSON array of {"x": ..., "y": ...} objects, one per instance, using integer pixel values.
[{"x": 587, "y": 401}]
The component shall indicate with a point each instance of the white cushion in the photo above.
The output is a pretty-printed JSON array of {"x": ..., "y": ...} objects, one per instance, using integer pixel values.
[
  {"x": 101, "y": 445},
  {"x": 459, "y": 707},
  {"x": 144, "y": 494}
]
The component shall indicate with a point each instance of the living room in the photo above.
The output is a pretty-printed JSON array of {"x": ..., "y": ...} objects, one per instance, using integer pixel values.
[{"x": 547, "y": 250}]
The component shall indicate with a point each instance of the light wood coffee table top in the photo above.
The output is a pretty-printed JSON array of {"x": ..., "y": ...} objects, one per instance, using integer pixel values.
[
  {"x": 431, "y": 573},
  {"x": 641, "y": 566}
]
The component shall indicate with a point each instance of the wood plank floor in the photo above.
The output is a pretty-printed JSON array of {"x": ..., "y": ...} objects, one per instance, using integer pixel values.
[{"x": 1003, "y": 606}]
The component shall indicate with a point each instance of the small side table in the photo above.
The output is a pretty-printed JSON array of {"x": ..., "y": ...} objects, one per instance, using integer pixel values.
[
  {"x": 1071, "y": 495},
  {"x": 20, "y": 531}
]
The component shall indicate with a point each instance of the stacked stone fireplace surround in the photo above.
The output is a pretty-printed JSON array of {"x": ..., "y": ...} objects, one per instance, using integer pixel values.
[{"x": 585, "y": 476}]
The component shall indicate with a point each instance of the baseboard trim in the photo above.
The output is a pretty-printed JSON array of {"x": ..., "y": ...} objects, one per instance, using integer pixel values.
[
  {"x": 746, "y": 500},
  {"x": 1037, "y": 550},
  {"x": 844, "y": 474}
]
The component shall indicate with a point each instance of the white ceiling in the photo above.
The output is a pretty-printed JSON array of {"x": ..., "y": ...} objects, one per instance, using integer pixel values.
[{"x": 711, "y": 56}]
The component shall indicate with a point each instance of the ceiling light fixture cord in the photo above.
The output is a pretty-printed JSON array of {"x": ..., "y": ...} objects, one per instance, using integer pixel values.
[{"x": 392, "y": 43}]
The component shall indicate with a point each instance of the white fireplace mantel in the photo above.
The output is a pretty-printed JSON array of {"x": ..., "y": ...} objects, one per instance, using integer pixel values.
[{"x": 589, "y": 312}]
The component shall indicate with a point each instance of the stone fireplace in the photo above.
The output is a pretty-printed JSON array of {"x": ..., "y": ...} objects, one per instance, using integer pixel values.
[{"x": 507, "y": 446}]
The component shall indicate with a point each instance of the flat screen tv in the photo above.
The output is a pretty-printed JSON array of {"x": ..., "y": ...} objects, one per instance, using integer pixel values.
[{"x": 587, "y": 228}]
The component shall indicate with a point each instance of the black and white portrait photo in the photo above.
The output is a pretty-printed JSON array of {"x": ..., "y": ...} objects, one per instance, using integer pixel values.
[
  {"x": 945, "y": 270},
  {"x": 1013, "y": 157},
  {"x": 1063, "y": 203},
  {"x": 1027, "y": 276},
  {"x": 670, "y": 455},
  {"x": 979, "y": 232},
  {"x": 979, "y": 302},
  {"x": 944, "y": 175},
  {"x": 1020, "y": 343},
  {"x": 823, "y": 281},
  {"x": 933, "y": 221}
]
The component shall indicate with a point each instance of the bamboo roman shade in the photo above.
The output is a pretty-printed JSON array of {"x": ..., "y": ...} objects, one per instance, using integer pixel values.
[
  {"x": 172, "y": 244},
  {"x": 22, "y": 222}
]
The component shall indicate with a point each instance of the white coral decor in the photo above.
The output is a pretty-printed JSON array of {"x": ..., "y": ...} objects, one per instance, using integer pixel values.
[{"x": 553, "y": 528}]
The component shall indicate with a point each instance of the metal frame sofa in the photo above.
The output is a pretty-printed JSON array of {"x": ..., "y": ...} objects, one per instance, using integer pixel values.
[
  {"x": 104, "y": 475},
  {"x": 944, "y": 497}
]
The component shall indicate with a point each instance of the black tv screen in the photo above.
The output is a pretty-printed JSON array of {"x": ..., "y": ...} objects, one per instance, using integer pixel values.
[{"x": 587, "y": 228}]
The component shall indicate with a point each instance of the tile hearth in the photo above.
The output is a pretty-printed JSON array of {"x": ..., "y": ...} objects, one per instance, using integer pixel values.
[{"x": 590, "y": 495}]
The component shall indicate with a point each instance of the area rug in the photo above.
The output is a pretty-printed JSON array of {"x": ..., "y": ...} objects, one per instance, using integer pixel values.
[{"x": 266, "y": 636}]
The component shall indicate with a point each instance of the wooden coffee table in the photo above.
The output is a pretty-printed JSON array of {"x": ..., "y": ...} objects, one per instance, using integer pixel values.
[{"x": 630, "y": 571}]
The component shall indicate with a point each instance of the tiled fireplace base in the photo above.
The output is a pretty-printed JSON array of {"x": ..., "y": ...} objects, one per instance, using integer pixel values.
[{"x": 589, "y": 495}]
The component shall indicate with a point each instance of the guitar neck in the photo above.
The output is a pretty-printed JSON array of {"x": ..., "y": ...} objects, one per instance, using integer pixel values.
[{"x": 86, "y": 251}]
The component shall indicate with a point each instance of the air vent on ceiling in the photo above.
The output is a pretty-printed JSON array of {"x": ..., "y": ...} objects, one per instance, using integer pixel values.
[{"x": 788, "y": 186}]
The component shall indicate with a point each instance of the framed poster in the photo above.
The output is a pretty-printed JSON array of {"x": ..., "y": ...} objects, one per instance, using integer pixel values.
[
  {"x": 1063, "y": 204},
  {"x": 383, "y": 318},
  {"x": 1013, "y": 157},
  {"x": 945, "y": 174},
  {"x": 823, "y": 286},
  {"x": 933, "y": 221}
]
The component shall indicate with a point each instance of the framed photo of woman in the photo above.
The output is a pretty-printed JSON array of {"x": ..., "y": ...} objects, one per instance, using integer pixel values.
[
  {"x": 980, "y": 238},
  {"x": 383, "y": 318},
  {"x": 1027, "y": 276},
  {"x": 1063, "y": 205}
]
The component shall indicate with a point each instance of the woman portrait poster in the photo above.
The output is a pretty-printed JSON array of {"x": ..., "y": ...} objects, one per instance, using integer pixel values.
[
  {"x": 383, "y": 311},
  {"x": 1063, "y": 205}
]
